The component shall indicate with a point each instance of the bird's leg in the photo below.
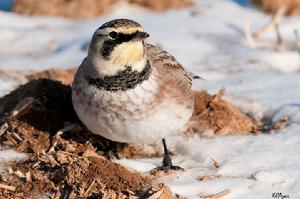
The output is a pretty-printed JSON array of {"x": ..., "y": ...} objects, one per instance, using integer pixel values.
[{"x": 167, "y": 161}]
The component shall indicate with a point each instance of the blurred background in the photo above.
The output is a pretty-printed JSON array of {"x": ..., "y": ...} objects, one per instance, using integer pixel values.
[{"x": 230, "y": 43}]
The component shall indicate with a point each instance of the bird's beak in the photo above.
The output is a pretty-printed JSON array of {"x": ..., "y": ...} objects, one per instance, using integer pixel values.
[{"x": 141, "y": 36}]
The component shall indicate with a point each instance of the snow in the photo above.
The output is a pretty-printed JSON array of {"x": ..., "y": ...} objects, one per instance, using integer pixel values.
[
  {"x": 262, "y": 82},
  {"x": 6, "y": 156}
]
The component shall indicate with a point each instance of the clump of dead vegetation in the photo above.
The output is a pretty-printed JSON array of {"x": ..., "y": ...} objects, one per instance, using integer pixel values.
[
  {"x": 83, "y": 9},
  {"x": 215, "y": 116},
  {"x": 292, "y": 6},
  {"x": 255, "y": 39}
]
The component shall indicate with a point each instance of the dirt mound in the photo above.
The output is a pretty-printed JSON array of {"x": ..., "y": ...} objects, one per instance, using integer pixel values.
[
  {"x": 65, "y": 160},
  {"x": 75, "y": 9},
  {"x": 212, "y": 115},
  {"x": 66, "y": 168},
  {"x": 161, "y": 5},
  {"x": 65, "y": 76},
  {"x": 83, "y": 9},
  {"x": 271, "y": 6},
  {"x": 44, "y": 104}
]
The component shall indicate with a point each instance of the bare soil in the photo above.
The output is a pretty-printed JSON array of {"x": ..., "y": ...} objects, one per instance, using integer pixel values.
[
  {"x": 215, "y": 116},
  {"x": 83, "y": 9}
]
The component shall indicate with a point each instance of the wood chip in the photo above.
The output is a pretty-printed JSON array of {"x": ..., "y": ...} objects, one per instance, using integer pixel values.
[
  {"x": 215, "y": 163},
  {"x": 285, "y": 119},
  {"x": 156, "y": 194},
  {"x": 68, "y": 127},
  {"x": 28, "y": 176},
  {"x": 52, "y": 160},
  {"x": 278, "y": 126},
  {"x": 89, "y": 188},
  {"x": 10, "y": 170},
  {"x": 57, "y": 195},
  {"x": 7, "y": 187},
  {"x": 19, "y": 174},
  {"x": 17, "y": 137},
  {"x": 3, "y": 128},
  {"x": 208, "y": 177}
]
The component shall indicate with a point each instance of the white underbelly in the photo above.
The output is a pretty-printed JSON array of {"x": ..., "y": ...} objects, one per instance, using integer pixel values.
[{"x": 168, "y": 118}]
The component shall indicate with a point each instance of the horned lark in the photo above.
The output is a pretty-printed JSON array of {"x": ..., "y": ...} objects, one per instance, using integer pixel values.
[{"x": 129, "y": 91}]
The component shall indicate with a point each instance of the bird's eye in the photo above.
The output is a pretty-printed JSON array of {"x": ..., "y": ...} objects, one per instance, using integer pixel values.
[{"x": 114, "y": 35}]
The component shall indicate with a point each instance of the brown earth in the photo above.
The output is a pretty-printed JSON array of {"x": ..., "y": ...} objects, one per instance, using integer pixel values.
[
  {"x": 213, "y": 115},
  {"x": 161, "y": 5},
  {"x": 63, "y": 75},
  {"x": 271, "y": 6},
  {"x": 83, "y": 9},
  {"x": 68, "y": 169}
]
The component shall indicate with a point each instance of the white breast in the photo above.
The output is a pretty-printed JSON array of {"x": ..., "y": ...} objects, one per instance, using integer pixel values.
[{"x": 131, "y": 116}]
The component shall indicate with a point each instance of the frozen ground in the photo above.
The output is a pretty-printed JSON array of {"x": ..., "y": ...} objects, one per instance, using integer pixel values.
[{"x": 262, "y": 82}]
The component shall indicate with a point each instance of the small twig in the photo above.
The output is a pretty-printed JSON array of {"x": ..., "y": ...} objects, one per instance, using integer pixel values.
[
  {"x": 57, "y": 195},
  {"x": 204, "y": 112},
  {"x": 52, "y": 160},
  {"x": 28, "y": 176},
  {"x": 215, "y": 196},
  {"x": 16, "y": 137},
  {"x": 10, "y": 170},
  {"x": 276, "y": 18},
  {"x": 215, "y": 163},
  {"x": 280, "y": 43},
  {"x": 58, "y": 134},
  {"x": 7, "y": 187},
  {"x": 24, "y": 104},
  {"x": 89, "y": 188},
  {"x": 248, "y": 35},
  {"x": 221, "y": 93},
  {"x": 19, "y": 174},
  {"x": 208, "y": 177},
  {"x": 279, "y": 38},
  {"x": 3, "y": 128},
  {"x": 157, "y": 194}
]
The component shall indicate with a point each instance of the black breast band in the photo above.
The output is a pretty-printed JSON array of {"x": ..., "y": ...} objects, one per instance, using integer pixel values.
[{"x": 123, "y": 80}]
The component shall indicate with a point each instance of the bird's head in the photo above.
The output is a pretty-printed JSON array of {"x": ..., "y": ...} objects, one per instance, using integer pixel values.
[{"x": 117, "y": 45}]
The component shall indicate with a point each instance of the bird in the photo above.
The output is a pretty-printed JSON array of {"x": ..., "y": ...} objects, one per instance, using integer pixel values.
[{"x": 130, "y": 91}]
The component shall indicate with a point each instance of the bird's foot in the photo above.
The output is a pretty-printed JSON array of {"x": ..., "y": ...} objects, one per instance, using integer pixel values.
[
  {"x": 114, "y": 150},
  {"x": 166, "y": 169},
  {"x": 166, "y": 163}
]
